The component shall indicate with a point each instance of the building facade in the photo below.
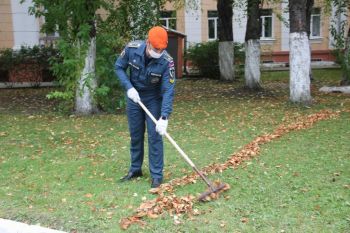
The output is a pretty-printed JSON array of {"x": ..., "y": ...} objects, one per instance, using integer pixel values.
[
  {"x": 200, "y": 23},
  {"x": 198, "y": 20},
  {"x": 17, "y": 27}
]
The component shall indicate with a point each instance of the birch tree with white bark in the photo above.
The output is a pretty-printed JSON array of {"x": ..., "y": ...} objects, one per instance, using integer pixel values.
[
  {"x": 226, "y": 46},
  {"x": 252, "y": 45},
  {"x": 299, "y": 55},
  {"x": 87, "y": 83},
  {"x": 85, "y": 103},
  {"x": 309, "y": 6},
  {"x": 74, "y": 21}
]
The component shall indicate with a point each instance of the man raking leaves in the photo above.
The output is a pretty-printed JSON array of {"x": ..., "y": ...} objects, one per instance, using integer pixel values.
[{"x": 150, "y": 91}]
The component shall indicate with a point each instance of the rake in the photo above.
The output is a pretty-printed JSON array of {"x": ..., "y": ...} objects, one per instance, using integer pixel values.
[{"x": 212, "y": 188}]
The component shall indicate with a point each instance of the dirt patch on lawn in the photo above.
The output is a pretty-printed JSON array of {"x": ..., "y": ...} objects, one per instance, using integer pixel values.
[{"x": 26, "y": 101}]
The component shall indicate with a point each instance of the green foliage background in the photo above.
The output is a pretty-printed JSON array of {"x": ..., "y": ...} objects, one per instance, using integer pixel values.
[
  {"x": 338, "y": 29},
  {"x": 10, "y": 58},
  {"x": 205, "y": 57},
  {"x": 113, "y": 25}
]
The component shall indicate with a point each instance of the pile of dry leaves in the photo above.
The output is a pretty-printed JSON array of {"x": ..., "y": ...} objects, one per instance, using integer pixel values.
[{"x": 184, "y": 205}]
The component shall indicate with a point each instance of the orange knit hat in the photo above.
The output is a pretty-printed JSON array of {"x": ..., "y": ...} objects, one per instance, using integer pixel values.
[{"x": 158, "y": 37}]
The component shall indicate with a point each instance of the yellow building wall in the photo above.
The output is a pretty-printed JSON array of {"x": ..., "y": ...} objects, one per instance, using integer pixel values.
[
  {"x": 6, "y": 27},
  {"x": 277, "y": 10},
  {"x": 275, "y": 44},
  {"x": 180, "y": 15},
  {"x": 207, "y": 5},
  {"x": 323, "y": 42}
]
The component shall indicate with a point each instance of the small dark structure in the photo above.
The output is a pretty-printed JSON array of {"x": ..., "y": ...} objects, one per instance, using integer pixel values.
[{"x": 176, "y": 48}]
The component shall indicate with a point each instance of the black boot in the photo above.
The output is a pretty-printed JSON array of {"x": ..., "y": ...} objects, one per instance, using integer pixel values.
[
  {"x": 156, "y": 182},
  {"x": 131, "y": 175}
]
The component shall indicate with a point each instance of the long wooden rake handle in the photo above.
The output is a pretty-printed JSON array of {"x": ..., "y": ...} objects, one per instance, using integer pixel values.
[{"x": 183, "y": 154}]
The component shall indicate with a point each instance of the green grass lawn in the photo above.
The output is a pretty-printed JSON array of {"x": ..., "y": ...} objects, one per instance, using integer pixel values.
[{"x": 62, "y": 171}]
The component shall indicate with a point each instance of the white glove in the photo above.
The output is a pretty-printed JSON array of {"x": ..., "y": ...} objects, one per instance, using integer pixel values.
[
  {"x": 161, "y": 126},
  {"x": 133, "y": 94}
]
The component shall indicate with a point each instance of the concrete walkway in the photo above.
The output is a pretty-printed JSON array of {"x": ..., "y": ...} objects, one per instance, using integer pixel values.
[{"x": 8, "y": 226}]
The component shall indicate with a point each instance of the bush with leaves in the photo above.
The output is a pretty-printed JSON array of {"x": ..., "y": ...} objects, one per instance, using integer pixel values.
[
  {"x": 112, "y": 37},
  {"x": 204, "y": 56},
  {"x": 38, "y": 56},
  {"x": 41, "y": 55},
  {"x": 112, "y": 26}
]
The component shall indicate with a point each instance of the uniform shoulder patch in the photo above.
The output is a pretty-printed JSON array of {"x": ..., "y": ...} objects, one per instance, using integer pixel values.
[
  {"x": 171, "y": 67},
  {"x": 168, "y": 57},
  {"x": 134, "y": 44}
]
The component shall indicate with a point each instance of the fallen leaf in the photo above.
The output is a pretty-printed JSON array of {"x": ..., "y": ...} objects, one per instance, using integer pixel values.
[
  {"x": 126, "y": 222},
  {"x": 2, "y": 134},
  {"x": 152, "y": 215},
  {"x": 176, "y": 220},
  {"x": 154, "y": 190}
]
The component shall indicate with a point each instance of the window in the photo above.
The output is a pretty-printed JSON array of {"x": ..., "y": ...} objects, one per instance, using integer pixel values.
[
  {"x": 212, "y": 25},
  {"x": 52, "y": 34},
  {"x": 315, "y": 23},
  {"x": 49, "y": 38},
  {"x": 168, "y": 19},
  {"x": 266, "y": 23}
]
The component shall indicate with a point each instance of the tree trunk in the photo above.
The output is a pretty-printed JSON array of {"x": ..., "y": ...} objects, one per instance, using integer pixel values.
[
  {"x": 84, "y": 100},
  {"x": 309, "y": 5},
  {"x": 346, "y": 70},
  {"x": 252, "y": 64},
  {"x": 226, "y": 60},
  {"x": 252, "y": 46},
  {"x": 226, "y": 47},
  {"x": 299, "y": 56},
  {"x": 342, "y": 89}
]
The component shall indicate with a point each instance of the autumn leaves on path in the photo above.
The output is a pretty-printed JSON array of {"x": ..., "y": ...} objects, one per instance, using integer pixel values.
[{"x": 167, "y": 201}]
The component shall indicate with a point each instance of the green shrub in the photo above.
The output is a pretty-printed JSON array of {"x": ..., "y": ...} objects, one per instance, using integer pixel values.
[
  {"x": 110, "y": 43},
  {"x": 10, "y": 58},
  {"x": 39, "y": 56},
  {"x": 204, "y": 56}
]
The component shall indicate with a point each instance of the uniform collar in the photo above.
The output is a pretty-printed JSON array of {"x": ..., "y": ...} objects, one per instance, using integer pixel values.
[{"x": 141, "y": 50}]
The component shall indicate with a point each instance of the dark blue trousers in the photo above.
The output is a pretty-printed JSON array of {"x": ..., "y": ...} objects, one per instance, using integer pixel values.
[{"x": 138, "y": 120}]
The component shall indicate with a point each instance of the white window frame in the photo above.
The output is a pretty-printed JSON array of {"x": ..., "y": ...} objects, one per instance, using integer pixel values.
[
  {"x": 167, "y": 21},
  {"x": 54, "y": 34},
  {"x": 215, "y": 19},
  {"x": 48, "y": 38},
  {"x": 311, "y": 24},
  {"x": 263, "y": 18}
]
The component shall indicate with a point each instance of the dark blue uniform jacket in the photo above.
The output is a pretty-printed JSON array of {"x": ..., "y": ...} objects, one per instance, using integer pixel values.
[{"x": 157, "y": 78}]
